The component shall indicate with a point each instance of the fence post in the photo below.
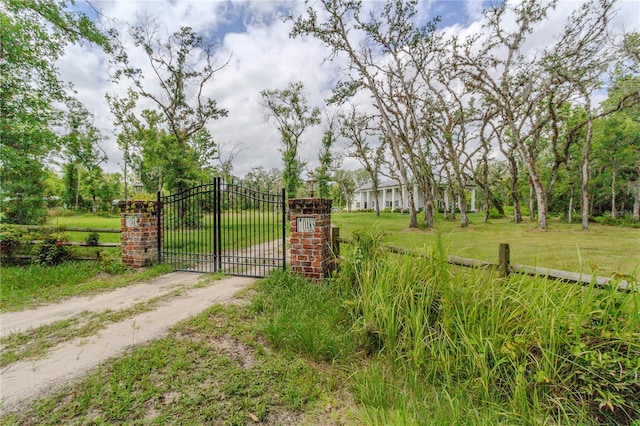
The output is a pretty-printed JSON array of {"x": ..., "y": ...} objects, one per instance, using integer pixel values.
[
  {"x": 335, "y": 245},
  {"x": 504, "y": 260}
]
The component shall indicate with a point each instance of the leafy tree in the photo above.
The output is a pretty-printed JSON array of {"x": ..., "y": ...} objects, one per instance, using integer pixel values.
[
  {"x": 33, "y": 35},
  {"x": 81, "y": 147},
  {"x": 292, "y": 115},
  {"x": 384, "y": 50},
  {"x": 526, "y": 91},
  {"x": 324, "y": 172},
  {"x": 182, "y": 66},
  {"x": 357, "y": 129},
  {"x": 258, "y": 178}
]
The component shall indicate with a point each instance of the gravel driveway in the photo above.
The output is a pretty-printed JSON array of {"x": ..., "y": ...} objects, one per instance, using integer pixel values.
[{"x": 23, "y": 381}]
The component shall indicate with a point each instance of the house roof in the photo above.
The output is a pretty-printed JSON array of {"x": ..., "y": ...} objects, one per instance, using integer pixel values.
[{"x": 381, "y": 185}]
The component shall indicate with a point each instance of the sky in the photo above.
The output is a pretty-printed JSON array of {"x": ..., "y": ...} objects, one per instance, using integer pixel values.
[{"x": 253, "y": 36}]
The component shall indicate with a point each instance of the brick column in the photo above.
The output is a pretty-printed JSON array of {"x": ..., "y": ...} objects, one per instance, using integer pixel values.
[
  {"x": 310, "y": 226},
  {"x": 139, "y": 232}
]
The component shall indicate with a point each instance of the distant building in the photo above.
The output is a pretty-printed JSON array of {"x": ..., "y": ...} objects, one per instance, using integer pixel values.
[{"x": 393, "y": 196}]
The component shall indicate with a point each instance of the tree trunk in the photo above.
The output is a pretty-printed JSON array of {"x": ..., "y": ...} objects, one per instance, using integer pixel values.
[
  {"x": 464, "y": 219},
  {"x": 540, "y": 193},
  {"x": 636, "y": 199},
  {"x": 614, "y": 213},
  {"x": 584, "y": 186},
  {"x": 376, "y": 200},
  {"x": 570, "y": 213},
  {"x": 77, "y": 190},
  {"x": 513, "y": 170},
  {"x": 532, "y": 201},
  {"x": 427, "y": 192},
  {"x": 413, "y": 215}
]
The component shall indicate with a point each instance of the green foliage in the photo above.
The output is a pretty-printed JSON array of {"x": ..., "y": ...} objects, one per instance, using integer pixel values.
[
  {"x": 302, "y": 317},
  {"x": 110, "y": 264},
  {"x": 292, "y": 114},
  {"x": 92, "y": 239},
  {"x": 11, "y": 240},
  {"x": 33, "y": 36},
  {"x": 536, "y": 348},
  {"x": 52, "y": 251},
  {"x": 170, "y": 145},
  {"x": 626, "y": 220}
]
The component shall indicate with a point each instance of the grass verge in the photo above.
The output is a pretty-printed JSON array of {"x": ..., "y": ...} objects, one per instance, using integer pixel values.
[
  {"x": 28, "y": 286},
  {"x": 603, "y": 250}
]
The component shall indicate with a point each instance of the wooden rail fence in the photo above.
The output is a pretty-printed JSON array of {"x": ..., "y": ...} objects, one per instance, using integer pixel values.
[
  {"x": 504, "y": 266},
  {"x": 75, "y": 243}
]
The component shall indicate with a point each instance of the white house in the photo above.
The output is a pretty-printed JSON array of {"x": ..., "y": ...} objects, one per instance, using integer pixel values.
[{"x": 393, "y": 196}]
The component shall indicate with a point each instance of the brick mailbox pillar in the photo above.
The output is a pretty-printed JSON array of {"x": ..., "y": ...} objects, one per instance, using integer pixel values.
[
  {"x": 139, "y": 232},
  {"x": 310, "y": 226}
]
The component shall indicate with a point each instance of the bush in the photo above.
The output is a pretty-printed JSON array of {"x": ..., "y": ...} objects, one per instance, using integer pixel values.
[
  {"x": 92, "y": 239},
  {"x": 110, "y": 264},
  {"x": 52, "y": 251},
  {"x": 10, "y": 243},
  {"x": 626, "y": 221}
]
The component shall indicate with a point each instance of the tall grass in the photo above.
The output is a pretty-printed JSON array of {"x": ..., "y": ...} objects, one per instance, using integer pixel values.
[
  {"x": 530, "y": 349},
  {"x": 302, "y": 317}
]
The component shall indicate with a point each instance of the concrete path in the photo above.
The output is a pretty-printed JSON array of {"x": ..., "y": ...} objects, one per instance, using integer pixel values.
[{"x": 23, "y": 381}]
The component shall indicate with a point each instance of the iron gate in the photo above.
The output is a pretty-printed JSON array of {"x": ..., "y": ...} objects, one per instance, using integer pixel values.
[{"x": 220, "y": 227}]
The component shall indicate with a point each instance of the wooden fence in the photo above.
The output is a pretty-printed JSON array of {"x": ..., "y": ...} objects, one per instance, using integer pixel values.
[
  {"x": 504, "y": 266},
  {"x": 75, "y": 243}
]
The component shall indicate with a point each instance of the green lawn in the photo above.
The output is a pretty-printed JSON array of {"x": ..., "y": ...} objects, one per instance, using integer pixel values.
[
  {"x": 604, "y": 250},
  {"x": 88, "y": 221}
]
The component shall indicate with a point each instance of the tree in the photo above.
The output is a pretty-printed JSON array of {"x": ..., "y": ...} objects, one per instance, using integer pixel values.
[
  {"x": 527, "y": 91},
  {"x": 292, "y": 114},
  {"x": 356, "y": 128},
  {"x": 268, "y": 181},
  {"x": 33, "y": 35},
  {"x": 379, "y": 65},
  {"x": 182, "y": 65},
  {"x": 325, "y": 157},
  {"x": 123, "y": 110},
  {"x": 82, "y": 149}
]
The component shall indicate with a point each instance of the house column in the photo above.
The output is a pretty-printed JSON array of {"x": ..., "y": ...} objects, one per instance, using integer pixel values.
[
  {"x": 393, "y": 199},
  {"x": 473, "y": 199}
]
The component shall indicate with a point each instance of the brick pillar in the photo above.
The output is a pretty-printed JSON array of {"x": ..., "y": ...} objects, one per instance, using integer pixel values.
[
  {"x": 139, "y": 232},
  {"x": 310, "y": 226}
]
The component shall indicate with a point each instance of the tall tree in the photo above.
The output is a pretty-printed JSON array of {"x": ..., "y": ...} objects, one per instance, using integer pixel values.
[
  {"x": 375, "y": 44},
  {"x": 181, "y": 66},
  {"x": 527, "y": 90},
  {"x": 324, "y": 171},
  {"x": 292, "y": 114},
  {"x": 356, "y": 128},
  {"x": 82, "y": 148},
  {"x": 33, "y": 35}
]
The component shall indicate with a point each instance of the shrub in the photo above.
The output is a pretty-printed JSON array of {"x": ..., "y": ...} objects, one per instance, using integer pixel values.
[
  {"x": 626, "y": 221},
  {"x": 10, "y": 243},
  {"x": 52, "y": 251},
  {"x": 92, "y": 239},
  {"x": 110, "y": 264}
]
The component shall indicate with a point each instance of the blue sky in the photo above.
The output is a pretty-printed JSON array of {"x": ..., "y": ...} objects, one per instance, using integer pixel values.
[{"x": 255, "y": 36}]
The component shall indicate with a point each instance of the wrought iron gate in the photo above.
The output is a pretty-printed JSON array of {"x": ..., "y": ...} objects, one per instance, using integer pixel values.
[{"x": 220, "y": 227}]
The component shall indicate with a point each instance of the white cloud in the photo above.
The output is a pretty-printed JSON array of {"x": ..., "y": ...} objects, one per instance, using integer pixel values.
[{"x": 262, "y": 57}]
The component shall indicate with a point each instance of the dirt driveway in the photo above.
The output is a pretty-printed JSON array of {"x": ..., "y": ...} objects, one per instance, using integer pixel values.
[{"x": 178, "y": 296}]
